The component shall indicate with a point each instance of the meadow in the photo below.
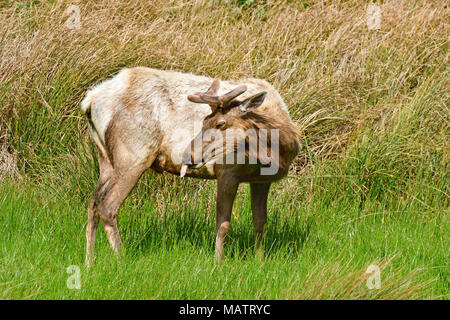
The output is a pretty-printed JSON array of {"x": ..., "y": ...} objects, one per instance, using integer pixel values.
[{"x": 370, "y": 186}]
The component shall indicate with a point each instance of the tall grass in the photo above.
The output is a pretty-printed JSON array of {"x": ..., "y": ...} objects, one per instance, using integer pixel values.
[{"x": 371, "y": 107}]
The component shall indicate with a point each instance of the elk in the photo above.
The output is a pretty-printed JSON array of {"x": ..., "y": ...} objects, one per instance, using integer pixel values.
[{"x": 145, "y": 118}]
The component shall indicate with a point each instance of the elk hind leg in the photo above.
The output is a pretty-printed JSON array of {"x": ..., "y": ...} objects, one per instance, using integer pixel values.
[{"x": 120, "y": 185}]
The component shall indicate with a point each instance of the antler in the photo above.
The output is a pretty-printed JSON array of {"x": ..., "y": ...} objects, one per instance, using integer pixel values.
[{"x": 212, "y": 99}]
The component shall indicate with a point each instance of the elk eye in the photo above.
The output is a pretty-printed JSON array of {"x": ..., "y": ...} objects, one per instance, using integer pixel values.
[{"x": 220, "y": 124}]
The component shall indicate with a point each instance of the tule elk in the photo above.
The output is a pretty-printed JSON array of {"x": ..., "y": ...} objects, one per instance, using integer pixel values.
[{"x": 179, "y": 123}]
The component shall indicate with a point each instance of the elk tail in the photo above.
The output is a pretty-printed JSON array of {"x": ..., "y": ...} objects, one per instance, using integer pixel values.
[{"x": 86, "y": 109}]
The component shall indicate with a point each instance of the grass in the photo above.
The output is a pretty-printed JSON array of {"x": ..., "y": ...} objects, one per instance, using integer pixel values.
[{"x": 370, "y": 186}]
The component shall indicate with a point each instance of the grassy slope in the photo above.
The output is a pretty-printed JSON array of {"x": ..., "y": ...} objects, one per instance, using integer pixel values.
[{"x": 370, "y": 186}]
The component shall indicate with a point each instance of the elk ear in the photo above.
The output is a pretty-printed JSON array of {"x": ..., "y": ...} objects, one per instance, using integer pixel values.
[{"x": 252, "y": 103}]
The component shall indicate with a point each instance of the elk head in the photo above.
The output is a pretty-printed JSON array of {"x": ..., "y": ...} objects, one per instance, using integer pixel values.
[{"x": 226, "y": 113}]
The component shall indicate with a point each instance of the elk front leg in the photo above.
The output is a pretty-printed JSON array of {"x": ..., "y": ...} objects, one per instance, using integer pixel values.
[
  {"x": 116, "y": 191},
  {"x": 259, "y": 193},
  {"x": 226, "y": 192}
]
